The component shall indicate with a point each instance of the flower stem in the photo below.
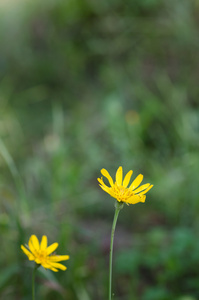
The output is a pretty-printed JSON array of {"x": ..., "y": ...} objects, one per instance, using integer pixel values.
[
  {"x": 33, "y": 281},
  {"x": 118, "y": 207}
]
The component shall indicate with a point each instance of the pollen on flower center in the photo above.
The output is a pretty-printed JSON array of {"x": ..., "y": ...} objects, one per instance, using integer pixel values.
[
  {"x": 122, "y": 192},
  {"x": 41, "y": 255}
]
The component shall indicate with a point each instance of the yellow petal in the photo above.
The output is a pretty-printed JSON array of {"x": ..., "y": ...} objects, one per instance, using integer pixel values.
[
  {"x": 106, "y": 174},
  {"x": 44, "y": 242},
  {"x": 48, "y": 266},
  {"x": 28, "y": 253},
  {"x": 51, "y": 248},
  {"x": 53, "y": 266},
  {"x": 119, "y": 176},
  {"x": 56, "y": 258},
  {"x": 38, "y": 261},
  {"x": 127, "y": 178},
  {"x": 58, "y": 266},
  {"x": 141, "y": 188},
  {"x": 105, "y": 188},
  {"x": 108, "y": 190},
  {"x": 136, "y": 198},
  {"x": 33, "y": 243},
  {"x": 136, "y": 182},
  {"x": 102, "y": 183},
  {"x": 53, "y": 269},
  {"x": 144, "y": 192}
]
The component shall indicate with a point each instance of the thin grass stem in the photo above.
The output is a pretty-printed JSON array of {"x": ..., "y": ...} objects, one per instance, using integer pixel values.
[{"x": 16, "y": 176}]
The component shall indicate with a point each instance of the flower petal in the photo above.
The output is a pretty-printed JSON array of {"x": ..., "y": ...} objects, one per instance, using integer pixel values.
[
  {"x": 136, "y": 198},
  {"x": 136, "y": 182},
  {"x": 44, "y": 242},
  {"x": 106, "y": 174},
  {"x": 119, "y": 176},
  {"x": 28, "y": 253},
  {"x": 105, "y": 188},
  {"x": 102, "y": 183},
  {"x": 144, "y": 192},
  {"x": 141, "y": 188},
  {"x": 56, "y": 258},
  {"x": 59, "y": 266},
  {"x": 38, "y": 261},
  {"x": 51, "y": 248},
  {"x": 33, "y": 243},
  {"x": 53, "y": 269},
  {"x": 108, "y": 190},
  {"x": 48, "y": 266},
  {"x": 127, "y": 178}
]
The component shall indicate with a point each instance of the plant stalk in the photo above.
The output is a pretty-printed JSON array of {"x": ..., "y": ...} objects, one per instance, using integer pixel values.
[
  {"x": 33, "y": 281},
  {"x": 118, "y": 207}
]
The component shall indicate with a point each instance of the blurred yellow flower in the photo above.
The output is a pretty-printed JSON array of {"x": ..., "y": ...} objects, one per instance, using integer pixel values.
[
  {"x": 119, "y": 190},
  {"x": 42, "y": 254}
]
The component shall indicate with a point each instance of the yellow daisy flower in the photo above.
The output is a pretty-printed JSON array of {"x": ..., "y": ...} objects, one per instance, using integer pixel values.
[
  {"x": 119, "y": 190},
  {"x": 42, "y": 254}
]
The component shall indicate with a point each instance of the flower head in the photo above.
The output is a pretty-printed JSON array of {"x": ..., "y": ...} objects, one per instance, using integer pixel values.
[
  {"x": 119, "y": 190},
  {"x": 42, "y": 254}
]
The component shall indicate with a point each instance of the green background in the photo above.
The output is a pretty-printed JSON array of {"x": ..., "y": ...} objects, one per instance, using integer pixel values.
[{"x": 86, "y": 85}]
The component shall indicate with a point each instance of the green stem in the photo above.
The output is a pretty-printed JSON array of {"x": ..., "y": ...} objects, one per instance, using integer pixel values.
[
  {"x": 33, "y": 281},
  {"x": 118, "y": 207}
]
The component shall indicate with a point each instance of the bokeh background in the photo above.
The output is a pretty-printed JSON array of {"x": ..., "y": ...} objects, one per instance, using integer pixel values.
[{"x": 86, "y": 85}]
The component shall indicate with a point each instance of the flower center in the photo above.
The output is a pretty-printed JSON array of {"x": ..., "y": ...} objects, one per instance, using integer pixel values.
[
  {"x": 41, "y": 255},
  {"x": 122, "y": 193}
]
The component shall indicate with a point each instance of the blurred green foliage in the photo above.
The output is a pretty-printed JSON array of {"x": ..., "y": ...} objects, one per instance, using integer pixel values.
[{"x": 92, "y": 84}]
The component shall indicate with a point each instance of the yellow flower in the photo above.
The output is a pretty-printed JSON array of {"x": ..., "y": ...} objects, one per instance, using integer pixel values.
[
  {"x": 119, "y": 190},
  {"x": 42, "y": 254}
]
